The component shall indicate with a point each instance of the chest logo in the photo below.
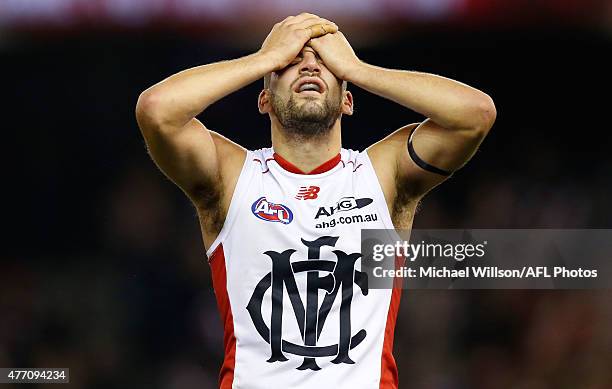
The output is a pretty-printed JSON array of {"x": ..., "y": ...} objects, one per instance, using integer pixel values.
[
  {"x": 344, "y": 204},
  {"x": 308, "y": 192},
  {"x": 335, "y": 277},
  {"x": 271, "y": 212}
]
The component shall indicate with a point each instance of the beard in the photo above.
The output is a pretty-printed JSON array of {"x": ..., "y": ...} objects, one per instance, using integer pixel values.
[{"x": 312, "y": 119}]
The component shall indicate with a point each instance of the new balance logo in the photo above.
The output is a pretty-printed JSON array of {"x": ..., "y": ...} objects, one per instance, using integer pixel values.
[{"x": 308, "y": 193}]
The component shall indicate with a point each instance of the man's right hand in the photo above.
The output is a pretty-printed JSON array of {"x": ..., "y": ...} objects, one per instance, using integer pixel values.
[{"x": 288, "y": 37}]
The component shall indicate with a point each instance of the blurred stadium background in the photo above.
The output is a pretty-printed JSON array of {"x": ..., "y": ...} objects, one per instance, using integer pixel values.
[{"x": 102, "y": 266}]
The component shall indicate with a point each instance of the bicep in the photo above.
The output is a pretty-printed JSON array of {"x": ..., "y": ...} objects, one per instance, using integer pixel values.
[
  {"x": 441, "y": 149},
  {"x": 436, "y": 153},
  {"x": 435, "y": 148},
  {"x": 187, "y": 155}
]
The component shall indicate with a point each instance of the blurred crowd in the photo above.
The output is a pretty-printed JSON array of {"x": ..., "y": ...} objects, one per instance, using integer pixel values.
[{"x": 104, "y": 270}]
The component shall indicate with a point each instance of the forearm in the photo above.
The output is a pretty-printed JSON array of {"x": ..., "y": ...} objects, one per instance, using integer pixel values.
[
  {"x": 451, "y": 104},
  {"x": 182, "y": 96}
]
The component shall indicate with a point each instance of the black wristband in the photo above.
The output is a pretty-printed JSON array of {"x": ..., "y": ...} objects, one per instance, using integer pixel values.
[{"x": 422, "y": 164}]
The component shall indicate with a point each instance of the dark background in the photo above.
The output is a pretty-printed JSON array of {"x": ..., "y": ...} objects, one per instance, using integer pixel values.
[{"x": 103, "y": 269}]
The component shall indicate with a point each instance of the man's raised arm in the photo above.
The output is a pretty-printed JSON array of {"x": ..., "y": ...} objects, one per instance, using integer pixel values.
[
  {"x": 458, "y": 119},
  {"x": 181, "y": 146}
]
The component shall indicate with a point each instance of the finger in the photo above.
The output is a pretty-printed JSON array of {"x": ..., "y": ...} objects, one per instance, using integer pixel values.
[
  {"x": 302, "y": 24},
  {"x": 305, "y": 15},
  {"x": 290, "y": 20},
  {"x": 286, "y": 20},
  {"x": 318, "y": 30}
]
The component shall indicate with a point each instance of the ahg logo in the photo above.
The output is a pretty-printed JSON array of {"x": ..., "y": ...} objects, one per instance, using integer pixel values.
[
  {"x": 340, "y": 276},
  {"x": 344, "y": 204}
]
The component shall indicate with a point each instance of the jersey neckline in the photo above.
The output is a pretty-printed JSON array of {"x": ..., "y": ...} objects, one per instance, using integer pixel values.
[{"x": 291, "y": 168}]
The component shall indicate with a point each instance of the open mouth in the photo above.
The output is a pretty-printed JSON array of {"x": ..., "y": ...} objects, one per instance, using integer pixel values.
[{"x": 310, "y": 86}]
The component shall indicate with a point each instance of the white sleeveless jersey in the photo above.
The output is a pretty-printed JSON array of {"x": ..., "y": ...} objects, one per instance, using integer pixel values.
[{"x": 296, "y": 308}]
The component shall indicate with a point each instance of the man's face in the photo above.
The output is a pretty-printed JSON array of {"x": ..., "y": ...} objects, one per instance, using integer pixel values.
[{"x": 305, "y": 96}]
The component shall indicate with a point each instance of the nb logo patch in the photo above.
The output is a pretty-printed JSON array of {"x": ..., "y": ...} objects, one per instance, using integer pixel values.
[{"x": 308, "y": 193}]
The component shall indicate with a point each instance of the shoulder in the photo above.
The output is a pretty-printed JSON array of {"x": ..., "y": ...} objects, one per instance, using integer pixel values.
[
  {"x": 230, "y": 159},
  {"x": 386, "y": 149},
  {"x": 213, "y": 200},
  {"x": 228, "y": 152},
  {"x": 385, "y": 155}
]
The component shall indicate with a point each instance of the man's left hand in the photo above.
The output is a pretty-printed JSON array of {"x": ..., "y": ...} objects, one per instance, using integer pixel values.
[{"x": 336, "y": 53}]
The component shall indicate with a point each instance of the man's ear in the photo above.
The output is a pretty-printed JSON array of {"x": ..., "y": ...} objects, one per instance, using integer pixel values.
[
  {"x": 347, "y": 103},
  {"x": 263, "y": 101}
]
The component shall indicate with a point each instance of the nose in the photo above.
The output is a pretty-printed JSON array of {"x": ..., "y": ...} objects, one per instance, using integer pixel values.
[{"x": 310, "y": 63}]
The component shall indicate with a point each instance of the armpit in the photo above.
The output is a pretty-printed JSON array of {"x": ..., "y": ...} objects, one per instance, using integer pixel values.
[{"x": 207, "y": 197}]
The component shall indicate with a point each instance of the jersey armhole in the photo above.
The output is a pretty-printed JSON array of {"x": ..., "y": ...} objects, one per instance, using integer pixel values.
[
  {"x": 378, "y": 192},
  {"x": 244, "y": 179}
]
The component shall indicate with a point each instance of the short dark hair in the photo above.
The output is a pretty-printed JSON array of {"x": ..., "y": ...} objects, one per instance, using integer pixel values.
[{"x": 267, "y": 81}]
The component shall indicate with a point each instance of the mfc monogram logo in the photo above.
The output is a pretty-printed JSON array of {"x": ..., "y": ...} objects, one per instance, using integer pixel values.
[{"x": 338, "y": 276}]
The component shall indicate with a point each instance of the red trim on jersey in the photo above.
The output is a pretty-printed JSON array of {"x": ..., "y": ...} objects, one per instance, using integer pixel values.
[
  {"x": 388, "y": 368},
  {"x": 326, "y": 166},
  {"x": 219, "y": 280}
]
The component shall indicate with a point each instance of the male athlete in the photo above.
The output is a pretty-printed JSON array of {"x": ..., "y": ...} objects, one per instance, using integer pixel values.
[{"x": 282, "y": 225}]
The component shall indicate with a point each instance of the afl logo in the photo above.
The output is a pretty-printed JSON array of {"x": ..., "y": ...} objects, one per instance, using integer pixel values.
[{"x": 271, "y": 212}]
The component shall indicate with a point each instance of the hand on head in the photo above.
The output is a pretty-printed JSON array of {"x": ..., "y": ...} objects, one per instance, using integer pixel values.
[
  {"x": 336, "y": 53},
  {"x": 289, "y": 36}
]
